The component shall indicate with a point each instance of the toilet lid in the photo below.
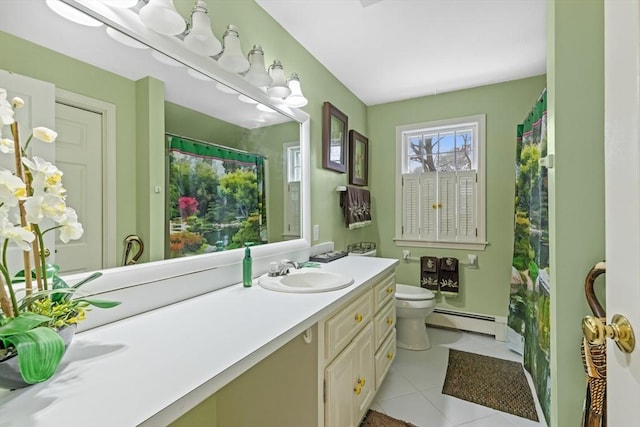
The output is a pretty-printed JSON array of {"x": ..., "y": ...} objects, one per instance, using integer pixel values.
[{"x": 413, "y": 293}]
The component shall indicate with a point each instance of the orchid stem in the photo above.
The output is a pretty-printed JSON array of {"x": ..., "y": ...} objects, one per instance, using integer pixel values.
[{"x": 7, "y": 278}]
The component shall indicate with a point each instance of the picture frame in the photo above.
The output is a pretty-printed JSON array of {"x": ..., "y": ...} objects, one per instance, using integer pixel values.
[
  {"x": 358, "y": 158},
  {"x": 334, "y": 138}
]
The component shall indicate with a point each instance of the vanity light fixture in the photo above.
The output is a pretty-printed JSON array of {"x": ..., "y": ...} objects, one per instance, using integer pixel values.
[
  {"x": 232, "y": 59},
  {"x": 200, "y": 38},
  {"x": 162, "y": 17},
  {"x": 72, "y": 14},
  {"x": 296, "y": 99},
  {"x": 278, "y": 88},
  {"x": 257, "y": 74}
]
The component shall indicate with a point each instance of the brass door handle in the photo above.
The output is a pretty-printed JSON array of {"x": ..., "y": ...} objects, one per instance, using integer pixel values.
[{"x": 619, "y": 330}]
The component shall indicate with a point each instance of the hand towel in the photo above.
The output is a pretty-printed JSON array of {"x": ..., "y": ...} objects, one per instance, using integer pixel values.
[
  {"x": 356, "y": 205},
  {"x": 449, "y": 276},
  {"x": 429, "y": 272}
]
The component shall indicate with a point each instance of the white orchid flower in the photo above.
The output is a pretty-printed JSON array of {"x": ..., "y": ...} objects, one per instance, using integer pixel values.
[
  {"x": 6, "y": 112},
  {"x": 70, "y": 228},
  {"x": 45, "y": 175},
  {"x": 6, "y": 145},
  {"x": 45, "y": 134},
  {"x": 18, "y": 235},
  {"x": 17, "y": 102},
  {"x": 12, "y": 189},
  {"x": 39, "y": 207}
]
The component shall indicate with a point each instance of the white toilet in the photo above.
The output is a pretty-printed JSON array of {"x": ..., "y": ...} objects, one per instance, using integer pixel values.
[{"x": 413, "y": 305}]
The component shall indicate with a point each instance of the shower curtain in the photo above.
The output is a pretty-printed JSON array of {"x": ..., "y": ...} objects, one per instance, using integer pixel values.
[
  {"x": 216, "y": 198},
  {"x": 528, "y": 322}
]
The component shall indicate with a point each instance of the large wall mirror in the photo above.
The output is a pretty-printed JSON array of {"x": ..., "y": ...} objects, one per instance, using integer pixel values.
[{"x": 138, "y": 79}]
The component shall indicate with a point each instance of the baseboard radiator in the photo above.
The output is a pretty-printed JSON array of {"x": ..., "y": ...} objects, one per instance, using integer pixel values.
[{"x": 473, "y": 322}]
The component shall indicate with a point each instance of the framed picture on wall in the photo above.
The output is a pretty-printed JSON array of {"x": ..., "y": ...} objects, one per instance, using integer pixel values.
[
  {"x": 334, "y": 138},
  {"x": 358, "y": 158}
]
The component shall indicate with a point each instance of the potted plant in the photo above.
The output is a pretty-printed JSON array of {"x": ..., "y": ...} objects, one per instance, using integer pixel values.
[{"x": 39, "y": 311}]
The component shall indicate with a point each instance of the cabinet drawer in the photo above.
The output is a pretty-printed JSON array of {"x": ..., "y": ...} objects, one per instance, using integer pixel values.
[
  {"x": 384, "y": 291},
  {"x": 384, "y": 357},
  {"x": 384, "y": 321},
  {"x": 341, "y": 328}
]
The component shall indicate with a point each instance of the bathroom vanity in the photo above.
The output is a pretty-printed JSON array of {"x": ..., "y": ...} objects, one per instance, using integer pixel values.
[{"x": 226, "y": 354}]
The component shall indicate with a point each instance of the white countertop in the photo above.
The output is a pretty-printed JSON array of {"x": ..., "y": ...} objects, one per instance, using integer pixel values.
[{"x": 154, "y": 367}]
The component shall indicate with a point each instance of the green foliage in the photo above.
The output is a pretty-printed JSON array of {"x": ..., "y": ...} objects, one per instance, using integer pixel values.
[
  {"x": 32, "y": 333},
  {"x": 240, "y": 187},
  {"x": 249, "y": 232}
]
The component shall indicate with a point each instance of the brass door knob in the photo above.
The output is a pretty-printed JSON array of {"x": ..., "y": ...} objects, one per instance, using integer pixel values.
[{"x": 620, "y": 330}]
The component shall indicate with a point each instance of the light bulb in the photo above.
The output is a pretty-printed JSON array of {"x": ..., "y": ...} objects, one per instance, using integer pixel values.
[
  {"x": 278, "y": 88},
  {"x": 232, "y": 59},
  {"x": 200, "y": 38},
  {"x": 257, "y": 74},
  {"x": 161, "y": 16},
  {"x": 296, "y": 99}
]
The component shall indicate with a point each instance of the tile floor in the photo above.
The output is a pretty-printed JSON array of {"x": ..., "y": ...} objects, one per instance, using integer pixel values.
[{"x": 412, "y": 390}]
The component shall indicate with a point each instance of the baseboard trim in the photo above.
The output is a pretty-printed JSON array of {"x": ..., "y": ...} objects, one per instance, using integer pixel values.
[{"x": 472, "y": 322}]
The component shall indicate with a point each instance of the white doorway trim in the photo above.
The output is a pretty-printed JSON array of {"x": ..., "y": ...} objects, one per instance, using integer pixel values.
[{"x": 108, "y": 112}]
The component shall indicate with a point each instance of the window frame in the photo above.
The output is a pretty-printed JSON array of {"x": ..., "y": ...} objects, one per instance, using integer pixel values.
[{"x": 479, "y": 122}]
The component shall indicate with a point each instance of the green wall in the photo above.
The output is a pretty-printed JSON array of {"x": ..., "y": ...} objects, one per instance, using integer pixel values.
[
  {"x": 485, "y": 289},
  {"x": 19, "y": 56},
  {"x": 575, "y": 72}
]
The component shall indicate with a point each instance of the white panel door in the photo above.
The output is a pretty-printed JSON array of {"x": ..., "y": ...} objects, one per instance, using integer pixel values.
[
  {"x": 79, "y": 154},
  {"x": 39, "y": 110},
  {"x": 622, "y": 186}
]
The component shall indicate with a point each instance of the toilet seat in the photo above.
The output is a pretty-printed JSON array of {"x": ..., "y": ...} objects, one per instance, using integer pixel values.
[{"x": 413, "y": 293}]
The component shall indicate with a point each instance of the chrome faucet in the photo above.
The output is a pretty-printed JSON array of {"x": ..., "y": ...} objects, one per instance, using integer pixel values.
[{"x": 282, "y": 268}]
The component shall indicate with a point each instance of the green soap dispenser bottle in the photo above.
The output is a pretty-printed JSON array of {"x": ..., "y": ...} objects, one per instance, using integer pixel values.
[{"x": 246, "y": 267}]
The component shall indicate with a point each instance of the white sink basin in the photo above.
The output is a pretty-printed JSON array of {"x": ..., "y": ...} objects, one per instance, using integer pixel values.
[{"x": 306, "y": 280}]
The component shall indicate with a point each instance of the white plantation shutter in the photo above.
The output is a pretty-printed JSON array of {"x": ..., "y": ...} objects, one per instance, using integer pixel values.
[
  {"x": 467, "y": 205},
  {"x": 411, "y": 206},
  {"x": 429, "y": 206},
  {"x": 293, "y": 208},
  {"x": 447, "y": 206}
]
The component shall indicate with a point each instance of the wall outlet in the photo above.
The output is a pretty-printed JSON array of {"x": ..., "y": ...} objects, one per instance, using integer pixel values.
[{"x": 316, "y": 232}]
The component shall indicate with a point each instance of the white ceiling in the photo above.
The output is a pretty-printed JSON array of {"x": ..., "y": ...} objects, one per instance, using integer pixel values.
[{"x": 390, "y": 50}]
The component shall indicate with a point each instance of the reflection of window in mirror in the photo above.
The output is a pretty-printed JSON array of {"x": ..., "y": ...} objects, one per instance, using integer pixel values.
[{"x": 293, "y": 167}]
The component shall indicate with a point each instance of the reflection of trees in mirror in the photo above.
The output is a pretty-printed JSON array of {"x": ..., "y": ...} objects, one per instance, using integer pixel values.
[{"x": 216, "y": 198}]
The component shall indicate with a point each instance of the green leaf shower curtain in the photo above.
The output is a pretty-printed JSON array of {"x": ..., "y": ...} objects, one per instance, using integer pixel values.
[
  {"x": 528, "y": 322},
  {"x": 216, "y": 198}
]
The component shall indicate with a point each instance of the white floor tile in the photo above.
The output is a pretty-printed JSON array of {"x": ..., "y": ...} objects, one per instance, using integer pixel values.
[
  {"x": 416, "y": 409},
  {"x": 412, "y": 390},
  {"x": 458, "y": 411},
  {"x": 496, "y": 420}
]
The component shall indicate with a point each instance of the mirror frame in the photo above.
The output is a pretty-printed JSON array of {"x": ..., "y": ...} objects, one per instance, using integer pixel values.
[{"x": 126, "y": 281}]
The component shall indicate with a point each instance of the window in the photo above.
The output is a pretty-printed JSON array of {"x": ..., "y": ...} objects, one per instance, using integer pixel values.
[
  {"x": 292, "y": 190},
  {"x": 440, "y": 184}
]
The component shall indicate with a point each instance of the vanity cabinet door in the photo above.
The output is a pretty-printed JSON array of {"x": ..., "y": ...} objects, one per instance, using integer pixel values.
[{"x": 350, "y": 382}]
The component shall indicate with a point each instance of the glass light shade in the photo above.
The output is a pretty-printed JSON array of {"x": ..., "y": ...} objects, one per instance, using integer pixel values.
[
  {"x": 125, "y": 4},
  {"x": 296, "y": 99},
  {"x": 200, "y": 38},
  {"x": 278, "y": 88},
  {"x": 161, "y": 16},
  {"x": 257, "y": 74},
  {"x": 125, "y": 39},
  {"x": 72, "y": 14},
  {"x": 232, "y": 59}
]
